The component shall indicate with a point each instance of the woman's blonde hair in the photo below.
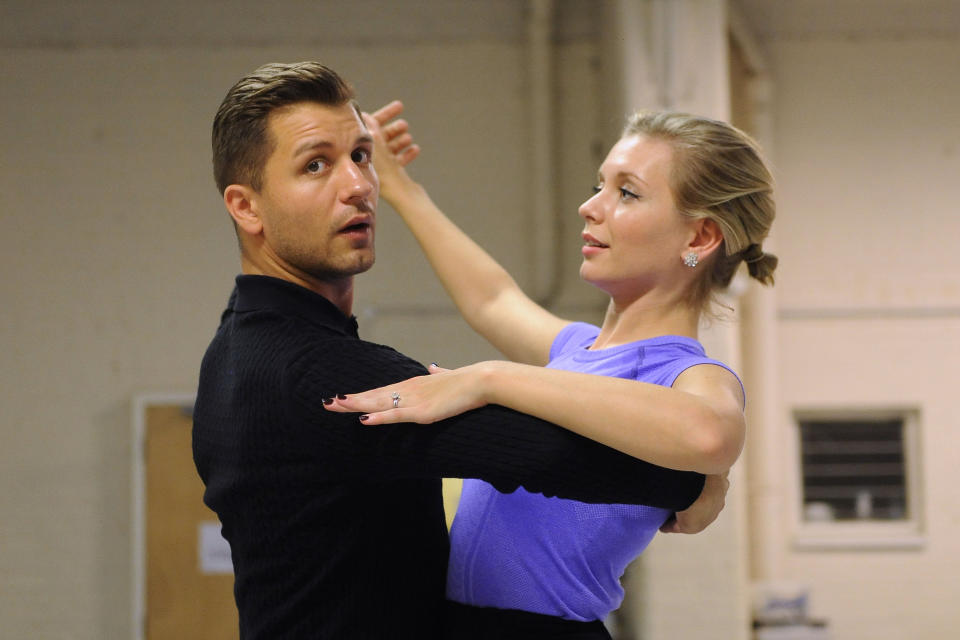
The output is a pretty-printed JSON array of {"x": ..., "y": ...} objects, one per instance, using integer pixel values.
[{"x": 718, "y": 173}]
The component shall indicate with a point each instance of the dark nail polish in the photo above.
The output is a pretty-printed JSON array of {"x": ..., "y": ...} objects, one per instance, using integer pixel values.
[
  {"x": 340, "y": 396},
  {"x": 328, "y": 401},
  {"x": 434, "y": 364},
  {"x": 364, "y": 417}
]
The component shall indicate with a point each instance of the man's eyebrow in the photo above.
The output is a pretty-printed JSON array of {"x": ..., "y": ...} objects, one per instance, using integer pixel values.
[{"x": 312, "y": 145}]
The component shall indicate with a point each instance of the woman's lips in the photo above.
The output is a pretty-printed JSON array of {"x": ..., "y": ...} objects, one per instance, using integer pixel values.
[{"x": 592, "y": 246}]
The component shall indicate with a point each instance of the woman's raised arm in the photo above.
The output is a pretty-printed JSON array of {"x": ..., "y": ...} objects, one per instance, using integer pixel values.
[{"x": 487, "y": 297}]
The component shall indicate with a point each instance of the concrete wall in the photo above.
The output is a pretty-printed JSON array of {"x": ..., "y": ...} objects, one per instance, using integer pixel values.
[
  {"x": 118, "y": 255},
  {"x": 868, "y": 160}
]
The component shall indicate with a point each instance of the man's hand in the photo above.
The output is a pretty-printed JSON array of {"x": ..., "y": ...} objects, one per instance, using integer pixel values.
[{"x": 704, "y": 510}]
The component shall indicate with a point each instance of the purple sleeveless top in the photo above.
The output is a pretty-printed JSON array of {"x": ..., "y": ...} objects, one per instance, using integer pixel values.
[{"x": 551, "y": 555}]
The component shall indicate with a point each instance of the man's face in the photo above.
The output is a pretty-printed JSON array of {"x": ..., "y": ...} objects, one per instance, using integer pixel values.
[{"x": 319, "y": 193}]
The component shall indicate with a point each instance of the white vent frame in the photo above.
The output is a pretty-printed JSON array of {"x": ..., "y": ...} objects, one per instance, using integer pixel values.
[{"x": 907, "y": 533}]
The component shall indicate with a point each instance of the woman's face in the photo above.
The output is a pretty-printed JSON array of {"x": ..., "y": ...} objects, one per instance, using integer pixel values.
[{"x": 634, "y": 237}]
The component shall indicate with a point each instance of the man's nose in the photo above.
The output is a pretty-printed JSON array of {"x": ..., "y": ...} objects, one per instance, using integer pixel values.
[{"x": 354, "y": 182}]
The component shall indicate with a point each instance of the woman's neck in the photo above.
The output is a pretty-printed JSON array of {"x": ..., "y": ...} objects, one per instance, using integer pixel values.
[{"x": 640, "y": 319}]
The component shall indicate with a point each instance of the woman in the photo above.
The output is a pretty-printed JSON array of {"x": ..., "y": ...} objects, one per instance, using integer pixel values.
[{"x": 680, "y": 202}]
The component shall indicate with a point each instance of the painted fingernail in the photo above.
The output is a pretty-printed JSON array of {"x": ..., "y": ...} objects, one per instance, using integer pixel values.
[
  {"x": 364, "y": 417},
  {"x": 328, "y": 401},
  {"x": 434, "y": 364},
  {"x": 340, "y": 396}
]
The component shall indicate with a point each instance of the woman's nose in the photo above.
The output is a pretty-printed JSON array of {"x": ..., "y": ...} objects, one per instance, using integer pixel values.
[{"x": 592, "y": 208}]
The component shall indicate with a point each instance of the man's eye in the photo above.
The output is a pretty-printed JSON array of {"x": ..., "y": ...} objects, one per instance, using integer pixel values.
[
  {"x": 316, "y": 166},
  {"x": 360, "y": 156}
]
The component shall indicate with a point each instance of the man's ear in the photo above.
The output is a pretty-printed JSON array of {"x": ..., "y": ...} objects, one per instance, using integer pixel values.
[
  {"x": 706, "y": 239},
  {"x": 240, "y": 201}
]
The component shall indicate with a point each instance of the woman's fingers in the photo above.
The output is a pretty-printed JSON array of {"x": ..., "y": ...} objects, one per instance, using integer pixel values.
[
  {"x": 391, "y": 416},
  {"x": 408, "y": 155},
  {"x": 388, "y": 112},
  {"x": 367, "y": 402},
  {"x": 423, "y": 399},
  {"x": 400, "y": 142},
  {"x": 396, "y": 129},
  {"x": 375, "y": 408},
  {"x": 394, "y": 136}
]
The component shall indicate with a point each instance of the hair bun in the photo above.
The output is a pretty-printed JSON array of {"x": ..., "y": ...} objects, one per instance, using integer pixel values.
[
  {"x": 752, "y": 253},
  {"x": 760, "y": 265}
]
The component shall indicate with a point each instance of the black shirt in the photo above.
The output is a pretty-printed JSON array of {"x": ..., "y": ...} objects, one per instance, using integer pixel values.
[{"x": 337, "y": 529}]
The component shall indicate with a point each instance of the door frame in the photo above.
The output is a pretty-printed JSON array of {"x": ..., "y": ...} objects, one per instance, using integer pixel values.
[{"x": 138, "y": 498}]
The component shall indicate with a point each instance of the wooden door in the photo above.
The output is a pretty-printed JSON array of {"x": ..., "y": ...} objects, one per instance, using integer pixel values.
[{"x": 189, "y": 581}]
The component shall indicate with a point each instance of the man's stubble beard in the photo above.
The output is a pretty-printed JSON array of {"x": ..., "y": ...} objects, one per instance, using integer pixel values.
[{"x": 326, "y": 272}]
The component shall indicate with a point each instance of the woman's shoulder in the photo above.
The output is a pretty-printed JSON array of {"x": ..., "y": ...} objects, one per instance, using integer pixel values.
[
  {"x": 687, "y": 356},
  {"x": 576, "y": 335},
  {"x": 671, "y": 355}
]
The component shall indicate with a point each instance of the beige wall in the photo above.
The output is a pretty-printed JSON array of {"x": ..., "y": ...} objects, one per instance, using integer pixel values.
[
  {"x": 868, "y": 160},
  {"x": 118, "y": 257}
]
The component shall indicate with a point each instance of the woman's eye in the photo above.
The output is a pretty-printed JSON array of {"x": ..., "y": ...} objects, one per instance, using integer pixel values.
[
  {"x": 316, "y": 166},
  {"x": 626, "y": 194},
  {"x": 596, "y": 189},
  {"x": 360, "y": 156}
]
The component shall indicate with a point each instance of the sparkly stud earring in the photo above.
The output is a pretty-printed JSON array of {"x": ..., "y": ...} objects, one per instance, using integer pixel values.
[{"x": 691, "y": 259}]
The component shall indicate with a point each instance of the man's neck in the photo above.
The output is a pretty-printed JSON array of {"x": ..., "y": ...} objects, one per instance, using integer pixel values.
[{"x": 339, "y": 291}]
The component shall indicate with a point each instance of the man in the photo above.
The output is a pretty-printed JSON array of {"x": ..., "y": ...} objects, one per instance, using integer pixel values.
[{"x": 336, "y": 530}]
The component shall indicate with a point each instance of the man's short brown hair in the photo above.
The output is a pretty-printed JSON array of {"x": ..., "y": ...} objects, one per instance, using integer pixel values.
[{"x": 241, "y": 144}]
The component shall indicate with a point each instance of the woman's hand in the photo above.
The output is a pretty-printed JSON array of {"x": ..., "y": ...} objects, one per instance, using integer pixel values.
[
  {"x": 394, "y": 147},
  {"x": 424, "y": 399}
]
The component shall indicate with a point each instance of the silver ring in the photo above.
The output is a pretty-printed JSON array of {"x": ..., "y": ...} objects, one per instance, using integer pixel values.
[{"x": 396, "y": 399}]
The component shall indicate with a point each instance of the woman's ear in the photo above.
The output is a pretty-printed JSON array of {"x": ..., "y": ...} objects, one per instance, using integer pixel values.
[
  {"x": 707, "y": 238},
  {"x": 240, "y": 201}
]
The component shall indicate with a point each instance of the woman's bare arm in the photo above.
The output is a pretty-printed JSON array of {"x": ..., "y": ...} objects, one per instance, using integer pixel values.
[
  {"x": 696, "y": 425},
  {"x": 487, "y": 297}
]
